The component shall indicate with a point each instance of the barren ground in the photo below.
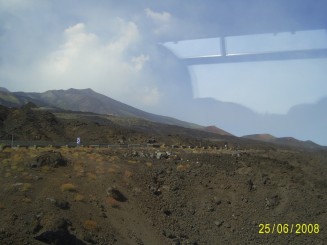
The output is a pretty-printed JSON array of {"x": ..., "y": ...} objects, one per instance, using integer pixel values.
[{"x": 190, "y": 196}]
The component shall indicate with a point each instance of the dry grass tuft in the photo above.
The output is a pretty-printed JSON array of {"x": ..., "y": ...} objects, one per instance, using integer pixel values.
[
  {"x": 26, "y": 200},
  {"x": 68, "y": 187},
  {"x": 113, "y": 169},
  {"x": 182, "y": 167},
  {"x": 91, "y": 176},
  {"x": 8, "y": 174},
  {"x": 5, "y": 162},
  {"x": 46, "y": 169},
  {"x": 79, "y": 198},
  {"x": 25, "y": 187},
  {"x": 90, "y": 225},
  {"x": 114, "y": 158},
  {"x": 128, "y": 174},
  {"x": 79, "y": 169},
  {"x": 100, "y": 170},
  {"x": 132, "y": 161}
]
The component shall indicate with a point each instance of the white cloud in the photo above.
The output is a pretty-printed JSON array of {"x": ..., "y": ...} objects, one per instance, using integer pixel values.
[
  {"x": 83, "y": 60},
  {"x": 161, "y": 21},
  {"x": 163, "y": 17}
]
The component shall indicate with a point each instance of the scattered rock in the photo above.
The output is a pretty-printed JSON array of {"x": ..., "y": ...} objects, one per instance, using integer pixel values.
[
  {"x": 156, "y": 191},
  {"x": 89, "y": 238},
  {"x": 265, "y": 179},
  {"x": 135, "y": 154},
  {"x": 151, "y": 141},
  {"x": 167, "y": 212},
  {"x": 272, "y": 202},
  {"x": 59, "y": 235},
  {"x": 52, "y": 200},
  {"x": 219, "y": 223},
  {"x": 62, "y": 205},
  {"x": 36, "y": 226},
  {"x": 169, "y": 234},
  {"x": 116, "y": 194},
  {"x": 51, "y": 159},
  {"x": 251, "y": 185},
  {"x": 227, "y": 225},
  {"x": 161, "y": 155}
]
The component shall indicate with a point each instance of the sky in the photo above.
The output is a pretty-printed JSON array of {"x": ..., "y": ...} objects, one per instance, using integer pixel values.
[{"x": 131, "y": 51}]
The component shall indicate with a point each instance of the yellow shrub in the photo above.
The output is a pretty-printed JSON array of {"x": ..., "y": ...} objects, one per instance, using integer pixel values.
[
  {"x": 26, "y": 200},
  {"x": 25, "y": 187},
  {"x": 90, "y": 225},
  {"x": 91, "y": 176},
  {"x": 79, "y": 198},
  {"x": 68, "y": 187},
  {"x": 182, "y": 167}
]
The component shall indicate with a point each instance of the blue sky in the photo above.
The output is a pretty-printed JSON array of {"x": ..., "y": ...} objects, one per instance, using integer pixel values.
[{"x": 131, "y": 50}]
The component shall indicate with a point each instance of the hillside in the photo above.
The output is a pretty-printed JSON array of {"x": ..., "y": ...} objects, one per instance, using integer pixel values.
[
  {"x": 78, "y": 101},
  {"x": 32, "y": 124},
  {"x": 85, "y": 100},
  {"x": 214, "y": 129},
  {"x": 286, "y": 141}
]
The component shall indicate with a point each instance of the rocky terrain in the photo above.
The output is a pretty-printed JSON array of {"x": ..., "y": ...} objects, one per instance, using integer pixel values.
[
  {"x": 133, "y": 181},
  {"x": 159, "y": 196}
]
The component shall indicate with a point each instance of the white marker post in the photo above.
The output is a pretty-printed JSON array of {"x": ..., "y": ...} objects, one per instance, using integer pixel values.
[{"x": 78, "y": 141}]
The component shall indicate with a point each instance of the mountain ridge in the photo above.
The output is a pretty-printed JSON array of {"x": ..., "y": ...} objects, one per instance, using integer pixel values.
[{"x": 85, "y": 100}]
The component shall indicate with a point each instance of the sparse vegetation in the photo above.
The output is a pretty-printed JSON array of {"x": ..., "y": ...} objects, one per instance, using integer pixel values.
[
  {"x": 25, "y": 187},
  {"x": 68, "y": 187},
  {"x": 91, "y": 176},
  {"x": 79, "y": 197},
  {"x": 27, "y": 200},
  {"x": 182, "y": 167},
  {"x": 90, "y": 225}
]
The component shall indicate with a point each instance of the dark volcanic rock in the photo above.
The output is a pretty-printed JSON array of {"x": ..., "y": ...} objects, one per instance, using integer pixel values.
[
  {"x": 272, "y": 202},
  {"x": 62, "y": 205},
  {"x": 116, "y": 194},
  {"x": 52, "y": 159},
  {"x": 59, "y": 235}
]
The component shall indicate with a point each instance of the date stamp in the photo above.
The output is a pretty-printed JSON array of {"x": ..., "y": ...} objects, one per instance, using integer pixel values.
[{"x": 289, "y": 229}]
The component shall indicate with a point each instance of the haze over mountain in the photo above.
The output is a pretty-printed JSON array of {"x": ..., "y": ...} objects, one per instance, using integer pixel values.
[
  {"x": 304, "y": 122},
  {"x": 86, "y": 100}
]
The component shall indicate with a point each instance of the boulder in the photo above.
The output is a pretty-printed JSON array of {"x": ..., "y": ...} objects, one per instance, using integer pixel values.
[
  {"x": 116, "y": 194},
  {"x": 161, "y": 155},
  {"x": 51, "y": 159}
]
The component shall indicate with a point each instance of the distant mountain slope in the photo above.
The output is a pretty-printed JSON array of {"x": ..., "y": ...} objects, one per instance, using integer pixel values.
[
  {"x": 33, "y": 125},
  {"x": 85, "y": 100},
  {"x": 215, "y": 130},
  {"x": 289, "y": 141},
  {"x": 4, "y": 89},
  {"x": 261, "y": 137}
]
